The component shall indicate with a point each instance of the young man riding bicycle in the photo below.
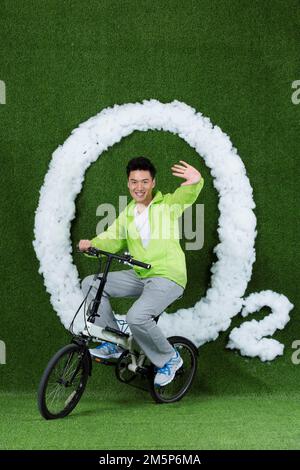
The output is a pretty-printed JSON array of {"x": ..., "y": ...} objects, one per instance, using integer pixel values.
[{"x": 148, "y": 229}]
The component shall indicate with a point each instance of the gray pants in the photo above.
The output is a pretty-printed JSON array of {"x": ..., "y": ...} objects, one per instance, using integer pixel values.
[{"x": 155, "y": 294}]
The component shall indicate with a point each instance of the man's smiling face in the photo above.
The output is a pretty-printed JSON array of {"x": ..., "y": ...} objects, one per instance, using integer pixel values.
[{"x": 140, "y": 185}]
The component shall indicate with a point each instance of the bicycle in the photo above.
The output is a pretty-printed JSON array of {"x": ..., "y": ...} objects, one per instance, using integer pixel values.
[{"x": 65, "y": 377}]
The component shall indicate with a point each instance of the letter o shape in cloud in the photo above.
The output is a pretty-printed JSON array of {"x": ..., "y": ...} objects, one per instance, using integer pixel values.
[{"x": 237, "y": 223}]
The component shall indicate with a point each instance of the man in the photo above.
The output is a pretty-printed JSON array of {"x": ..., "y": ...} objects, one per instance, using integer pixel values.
[{"x": 148, "y": 229}]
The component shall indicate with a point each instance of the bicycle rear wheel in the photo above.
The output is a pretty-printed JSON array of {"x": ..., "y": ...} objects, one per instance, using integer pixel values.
[
  {"x": 63, "y": 381},
  {"x": 183, "y": 379}
]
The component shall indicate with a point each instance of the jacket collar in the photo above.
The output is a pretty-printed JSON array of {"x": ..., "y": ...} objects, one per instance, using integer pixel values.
[{"x": 157, "y": 197}]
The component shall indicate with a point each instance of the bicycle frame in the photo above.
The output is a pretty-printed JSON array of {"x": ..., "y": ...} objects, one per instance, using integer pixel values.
[{"x": 98, "y": 333}]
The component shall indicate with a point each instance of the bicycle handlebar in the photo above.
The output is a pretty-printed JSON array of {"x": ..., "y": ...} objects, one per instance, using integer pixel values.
[{"x": 126, "y": 258}]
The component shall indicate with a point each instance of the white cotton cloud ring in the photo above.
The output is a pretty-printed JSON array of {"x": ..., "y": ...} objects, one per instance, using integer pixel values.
[{"x": 63, "y": 182}]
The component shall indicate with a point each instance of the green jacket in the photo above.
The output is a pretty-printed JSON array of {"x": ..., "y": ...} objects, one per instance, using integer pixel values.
[{"x": 163, "y": 252}]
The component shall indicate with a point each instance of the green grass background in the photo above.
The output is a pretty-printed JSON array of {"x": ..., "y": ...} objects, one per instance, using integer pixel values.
[{"x": 233, "y": 60}]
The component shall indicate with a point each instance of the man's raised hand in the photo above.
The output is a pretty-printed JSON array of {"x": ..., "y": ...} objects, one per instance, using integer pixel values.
[{"x": 186, "y": 171}]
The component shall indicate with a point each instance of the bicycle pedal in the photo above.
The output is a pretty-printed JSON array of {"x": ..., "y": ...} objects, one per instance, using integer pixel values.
[
  {"x": 105, "y": 362},
  {"x": 97, "y": 359}
]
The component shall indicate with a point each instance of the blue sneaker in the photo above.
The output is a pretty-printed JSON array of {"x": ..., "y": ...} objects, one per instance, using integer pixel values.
[
  {"x": 166, "y": 374},
  {"x": 107, "y": 350}
]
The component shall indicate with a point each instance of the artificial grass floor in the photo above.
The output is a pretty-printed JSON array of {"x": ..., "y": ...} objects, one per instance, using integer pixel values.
[{"x": 196, "y": 422}]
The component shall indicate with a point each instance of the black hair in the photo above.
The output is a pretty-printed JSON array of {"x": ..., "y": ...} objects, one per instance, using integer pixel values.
[{"x": 141, "y": 163}]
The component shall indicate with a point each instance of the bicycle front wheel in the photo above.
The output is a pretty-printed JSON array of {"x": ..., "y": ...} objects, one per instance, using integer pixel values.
[{"x": 63, "y": 382}]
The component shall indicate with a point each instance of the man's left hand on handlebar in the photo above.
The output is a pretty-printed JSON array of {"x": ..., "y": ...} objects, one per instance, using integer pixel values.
[{"x": 84, "y": 245}]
